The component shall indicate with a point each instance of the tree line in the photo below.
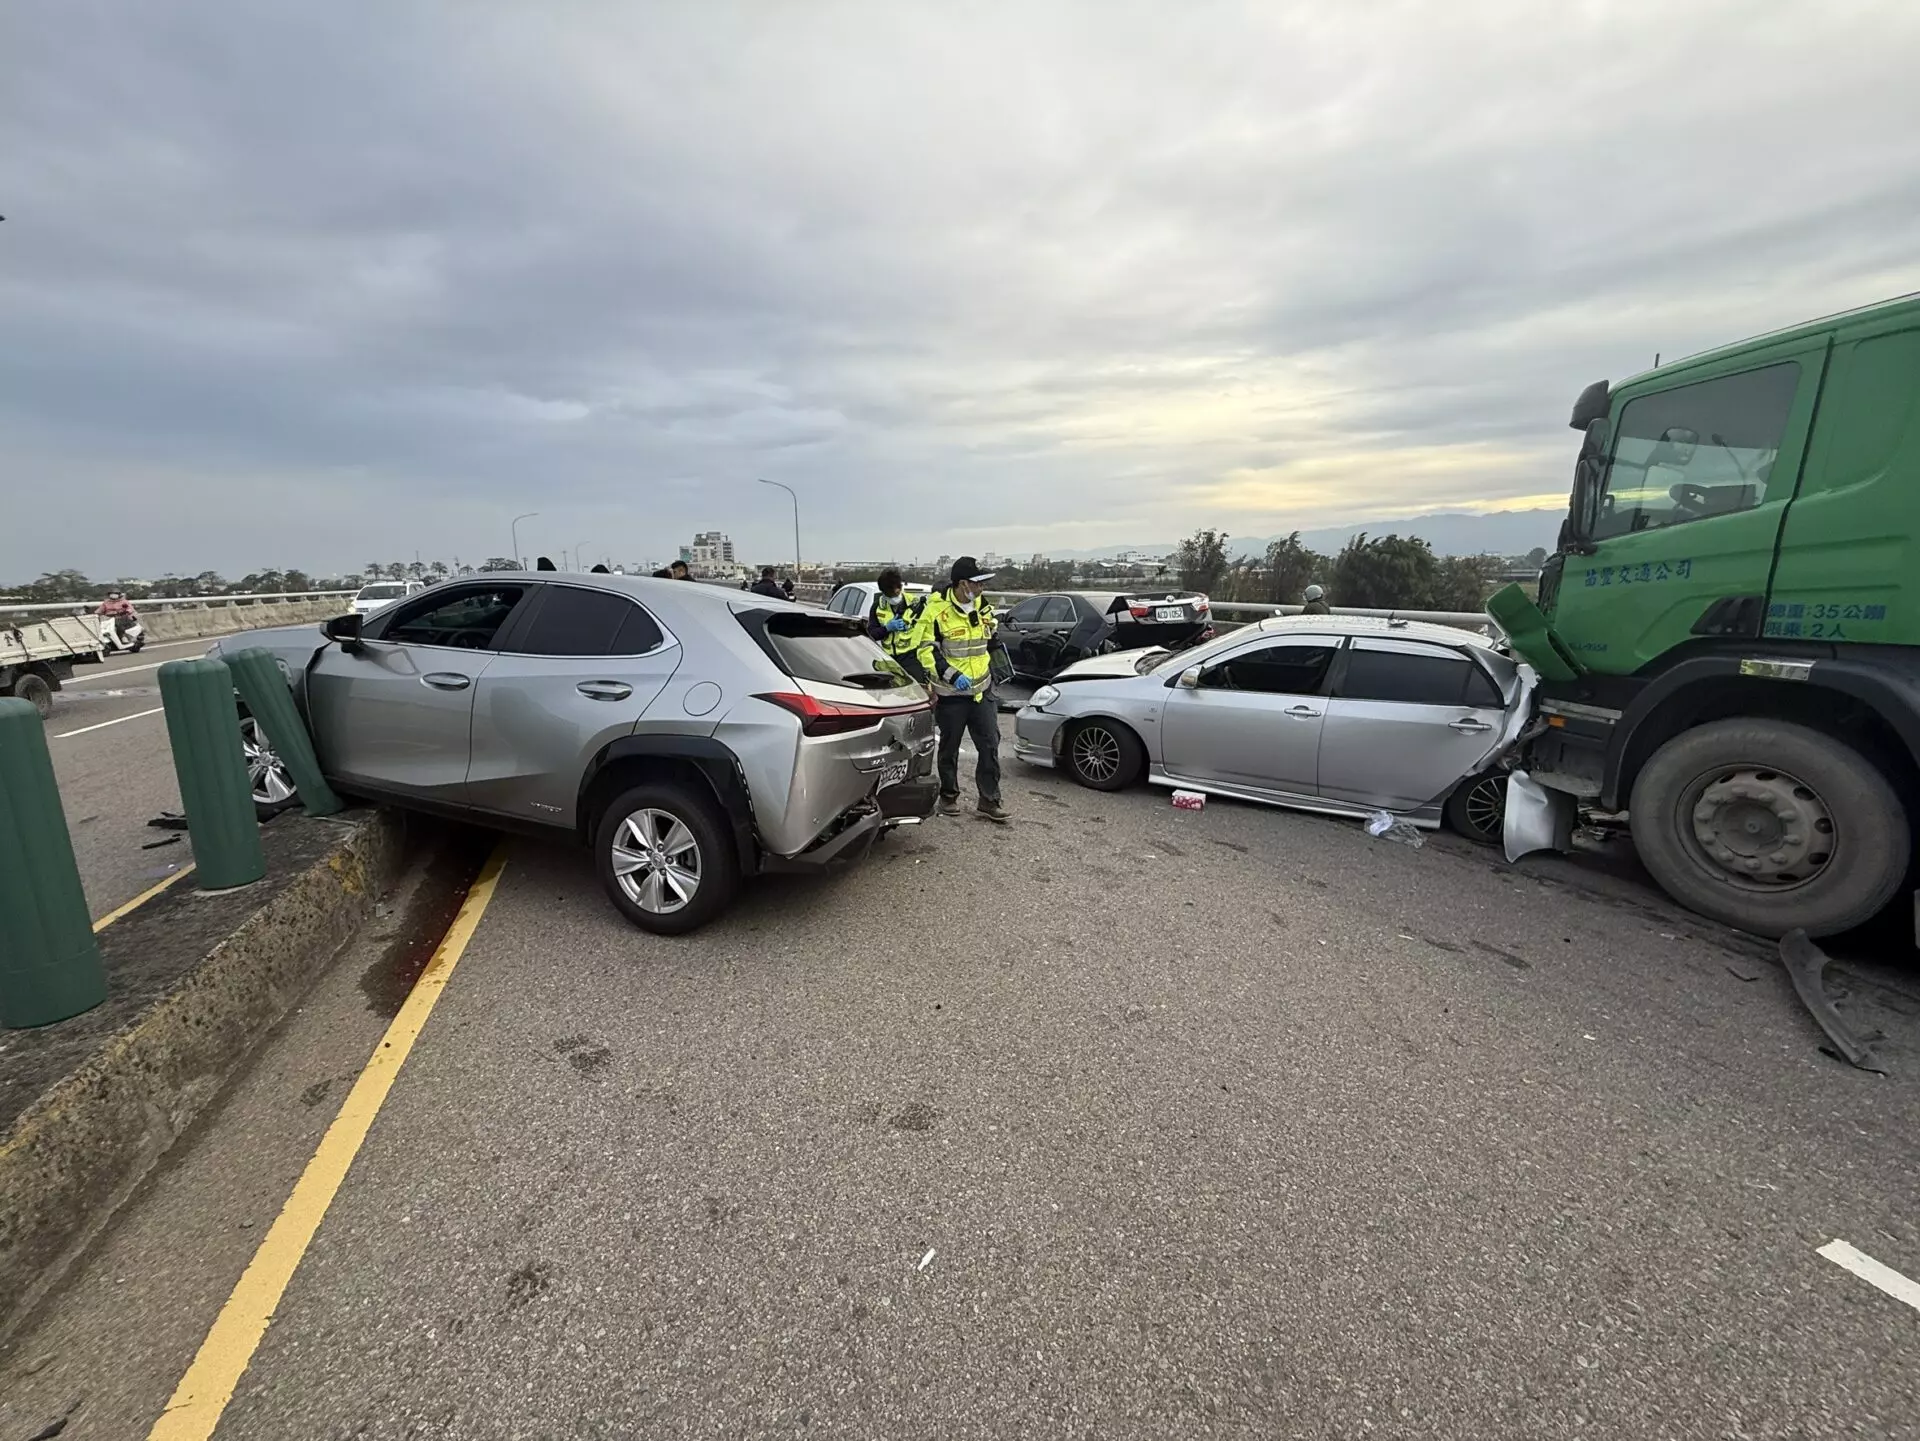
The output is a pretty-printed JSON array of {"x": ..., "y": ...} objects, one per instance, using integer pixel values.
[
  {"x": 1388, "y": 572},
  {"x": 73, "y": 585}
]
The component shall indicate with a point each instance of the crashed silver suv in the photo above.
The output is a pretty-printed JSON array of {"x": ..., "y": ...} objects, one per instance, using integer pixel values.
[{"x": 691, "y": 736}]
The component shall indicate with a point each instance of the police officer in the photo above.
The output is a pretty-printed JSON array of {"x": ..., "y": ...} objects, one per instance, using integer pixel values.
[
  {"x": 951, "y": 639},
  {"x": 894, "y": 619},
  {"x": 1316, "y": 601}
]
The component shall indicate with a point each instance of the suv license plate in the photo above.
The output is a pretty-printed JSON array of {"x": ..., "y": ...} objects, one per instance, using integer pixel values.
[
  {"x": 1170, "y": 612},
  {"x": 892, "y": 774}
]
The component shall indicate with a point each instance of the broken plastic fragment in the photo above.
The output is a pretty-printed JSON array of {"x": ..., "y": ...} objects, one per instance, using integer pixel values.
[
  {"x": 1537, "y": 819},
  {"x": 1388, "y": 827}
]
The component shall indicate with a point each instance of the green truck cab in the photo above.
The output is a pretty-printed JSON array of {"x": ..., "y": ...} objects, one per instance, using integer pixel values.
[{"x": 1724, "y": 645}]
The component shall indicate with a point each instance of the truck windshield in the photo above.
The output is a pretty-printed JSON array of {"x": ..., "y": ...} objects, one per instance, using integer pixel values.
[{"x": 1696, "y": 450}]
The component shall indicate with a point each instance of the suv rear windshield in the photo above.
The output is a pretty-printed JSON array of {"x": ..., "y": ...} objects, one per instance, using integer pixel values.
[{"x": 833, "y": 651}]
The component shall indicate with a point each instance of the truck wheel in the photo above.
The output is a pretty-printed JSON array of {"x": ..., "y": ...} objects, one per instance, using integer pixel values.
[
  {"x": 666, "y": 857},
  {"x": 35, "y": 690},
  {"x": 1769, "y": 827}
]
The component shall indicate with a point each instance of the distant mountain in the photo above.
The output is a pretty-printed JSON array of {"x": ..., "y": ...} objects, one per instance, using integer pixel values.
[{"x": 1501, "y": 532}]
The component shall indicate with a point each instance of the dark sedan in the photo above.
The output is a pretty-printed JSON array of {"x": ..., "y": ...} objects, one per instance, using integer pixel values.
[{"x": 1044, "y": 633}]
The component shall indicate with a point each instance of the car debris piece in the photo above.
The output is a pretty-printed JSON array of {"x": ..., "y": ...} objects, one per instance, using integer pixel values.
[
  {"x": 168, "y": 821},
  {"x": 1805, "y": 961},
  {"x": 1536, "y": 818},
  {"x": 1190, "y": 800},
  {"x": 1387, "y": 826}
]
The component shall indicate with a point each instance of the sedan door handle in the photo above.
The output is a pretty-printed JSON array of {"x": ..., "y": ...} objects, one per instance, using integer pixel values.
[
  {"x": 446, "y": 680},
  {"x": 1304, "y": 712},
  {"x": 604, "y": 689},
  {"x": 1467, "y": 725}
]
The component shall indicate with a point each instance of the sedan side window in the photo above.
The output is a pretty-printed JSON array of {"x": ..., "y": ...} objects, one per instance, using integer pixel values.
[
  {"x": 574, "y": 621},
  {"x": 1409, "y": 675},
  {"x": 1027, "y": 611},
  {"x": 465, "y": 620},
  {"x": 1289, "y": 668},
  {"x": 1056, "y": 609}
]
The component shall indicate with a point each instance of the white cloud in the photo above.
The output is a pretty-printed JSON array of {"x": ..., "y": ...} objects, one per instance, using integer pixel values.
[{"x": 1036, "y": 274}]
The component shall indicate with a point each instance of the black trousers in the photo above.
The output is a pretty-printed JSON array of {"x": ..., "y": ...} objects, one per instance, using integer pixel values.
[{"x": 959, "y": 717}]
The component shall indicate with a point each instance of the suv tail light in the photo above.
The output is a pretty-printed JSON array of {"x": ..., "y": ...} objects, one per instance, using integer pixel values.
[{"x": 824, "y": 718}]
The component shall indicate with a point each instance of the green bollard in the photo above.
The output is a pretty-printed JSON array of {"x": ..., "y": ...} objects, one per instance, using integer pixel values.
[
  {"x": 49, "y": 961},
  {"x": 203, "y": 725},
  {"x": 263, "y": 686}
]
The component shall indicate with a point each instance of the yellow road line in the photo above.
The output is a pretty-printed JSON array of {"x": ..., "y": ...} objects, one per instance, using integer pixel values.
[
  {"x": 119, "y": 913},
  {"x": 202, "y": 1395}
]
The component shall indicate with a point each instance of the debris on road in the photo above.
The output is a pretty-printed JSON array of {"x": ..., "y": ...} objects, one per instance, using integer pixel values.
[
  {"x": 925, "y": 1261},
  {"x": 163, "y": 841},
  {"x": 168, "y": 821},
  {"x": 1743, "y": 973},
  {"x": 1805, "y": 961},
  {"x": 1384, "y": 825},
  {"x": 1190, "y": 800}
]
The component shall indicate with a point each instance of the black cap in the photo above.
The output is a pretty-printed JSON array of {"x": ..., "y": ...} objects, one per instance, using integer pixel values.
[{"x": 967, "y": 568}]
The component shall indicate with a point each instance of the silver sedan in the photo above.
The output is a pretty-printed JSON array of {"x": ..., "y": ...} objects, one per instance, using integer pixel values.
[{"x": 1339, "y": 714}]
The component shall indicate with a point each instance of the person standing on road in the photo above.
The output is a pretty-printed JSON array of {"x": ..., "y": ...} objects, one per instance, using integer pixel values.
[
  {"x": 767, "y": 585},
  {"x": 787, "y": 586},
  {"x": 1314, "y": 602},
  {"x": 894, "y": 622},
  {"x": 951, "y": 641},
  {"x": 680, "y": 571}
]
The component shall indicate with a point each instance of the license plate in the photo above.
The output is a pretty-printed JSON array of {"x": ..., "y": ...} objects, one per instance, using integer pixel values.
[
  {"x": 893, "y": 773},
  {"x": 1170, "y": 612}
]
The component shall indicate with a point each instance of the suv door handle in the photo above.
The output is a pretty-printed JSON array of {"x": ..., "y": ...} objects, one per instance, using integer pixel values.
[
  {"x": 1467, "y": 725},
  {"x": 604, "y": 689},
  {"x": 446, "y": 680},
  {"x": 1304, "y": 712}
]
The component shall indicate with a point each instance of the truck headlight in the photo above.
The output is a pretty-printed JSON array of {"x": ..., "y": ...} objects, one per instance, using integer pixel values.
[{"x": 1045, "y": 696}]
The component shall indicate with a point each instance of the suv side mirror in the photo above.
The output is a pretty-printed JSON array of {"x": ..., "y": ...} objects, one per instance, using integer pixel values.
[{"x": 346, "y": 630}]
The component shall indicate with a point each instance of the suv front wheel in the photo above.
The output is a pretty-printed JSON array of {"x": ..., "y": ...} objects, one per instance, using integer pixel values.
[{"x": 666, "y": 857}]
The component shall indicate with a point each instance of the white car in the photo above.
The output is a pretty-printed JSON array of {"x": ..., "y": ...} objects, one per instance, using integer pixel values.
[
  {"x": 383, "y": 593},
  {"x": 856, "y": 598},
  {"x": 1339, "y": 714}
]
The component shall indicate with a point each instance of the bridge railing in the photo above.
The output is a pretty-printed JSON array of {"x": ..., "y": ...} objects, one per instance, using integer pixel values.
[{"x": 157, "y": 603}]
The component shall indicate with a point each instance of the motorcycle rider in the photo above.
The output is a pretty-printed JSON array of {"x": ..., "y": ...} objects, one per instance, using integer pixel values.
[
  {"x": 121, "y": 609},
  {"x": 1314, "y": 602}
]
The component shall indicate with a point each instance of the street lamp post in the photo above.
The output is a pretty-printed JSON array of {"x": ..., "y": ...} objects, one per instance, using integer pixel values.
[
  {"x": 796, "y": 525},
  {"x": 579, "y": 560},
  {"x": 519, "y": 559}
]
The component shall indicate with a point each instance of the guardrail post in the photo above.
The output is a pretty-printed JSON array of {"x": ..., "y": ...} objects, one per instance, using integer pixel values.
[
  {"x": 263, "y": 687},
  {"x": 49, "y": 961},
  {"x": 203, "y": 727}
]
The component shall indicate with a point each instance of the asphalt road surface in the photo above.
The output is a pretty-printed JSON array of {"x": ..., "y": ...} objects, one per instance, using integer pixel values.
[
  {"x": 1118, "y": 1121},
  {"x": 110, "y": 756}
]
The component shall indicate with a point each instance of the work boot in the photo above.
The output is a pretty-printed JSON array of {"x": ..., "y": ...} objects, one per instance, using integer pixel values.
[
  {"x": 949, "y": 805},
  {"x": 993, "y": 811}
]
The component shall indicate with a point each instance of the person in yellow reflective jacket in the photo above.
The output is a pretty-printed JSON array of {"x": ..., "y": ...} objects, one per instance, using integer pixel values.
[
  {"x": 952, "y": 641},
  {"x": 894, "y": 622}
]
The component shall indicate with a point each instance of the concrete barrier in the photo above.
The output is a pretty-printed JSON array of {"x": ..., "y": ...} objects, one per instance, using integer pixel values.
[
  {"x": 116, "y": 1097},
  {"x": 190, "y": 622}
]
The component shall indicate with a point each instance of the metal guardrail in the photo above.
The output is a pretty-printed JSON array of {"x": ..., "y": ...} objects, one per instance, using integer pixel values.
[{"x": 82, "y": 607}]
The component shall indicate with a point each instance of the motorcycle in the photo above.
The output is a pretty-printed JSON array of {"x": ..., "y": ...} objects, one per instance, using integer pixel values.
[{"x": 120, "y": 634}]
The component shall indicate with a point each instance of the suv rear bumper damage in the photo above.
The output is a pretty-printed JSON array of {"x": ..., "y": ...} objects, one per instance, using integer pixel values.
[{"x": 852, "y": 835}]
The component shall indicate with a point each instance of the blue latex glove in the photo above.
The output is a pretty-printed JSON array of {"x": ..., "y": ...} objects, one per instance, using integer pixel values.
[
  {"x": 962, "y": 684},
  {"x": 896, "y": 624}
]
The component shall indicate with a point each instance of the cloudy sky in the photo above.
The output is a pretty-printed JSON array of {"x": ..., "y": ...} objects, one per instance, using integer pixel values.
[{"x": 317, "y": 284}]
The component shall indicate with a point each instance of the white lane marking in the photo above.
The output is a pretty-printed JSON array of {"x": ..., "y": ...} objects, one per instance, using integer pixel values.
[
  {"x": 104, "y": 724},
  {"x": 1872, "y": 1272},
  {"x": 119, "y": 670}
]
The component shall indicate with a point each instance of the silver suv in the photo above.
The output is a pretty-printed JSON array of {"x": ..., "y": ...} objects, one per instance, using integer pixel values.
[{"x": 690, "y": 735}]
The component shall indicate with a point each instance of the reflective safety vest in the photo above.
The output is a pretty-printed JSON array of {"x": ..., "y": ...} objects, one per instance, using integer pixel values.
[
  {"x": 898, "y": 642},
  {"x": 952, "y": 641}
]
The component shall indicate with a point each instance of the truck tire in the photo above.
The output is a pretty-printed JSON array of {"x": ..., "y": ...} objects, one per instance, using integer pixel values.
[
  {"x": 1770, "y": 827},
  {"x": 35, "y": 690}
]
